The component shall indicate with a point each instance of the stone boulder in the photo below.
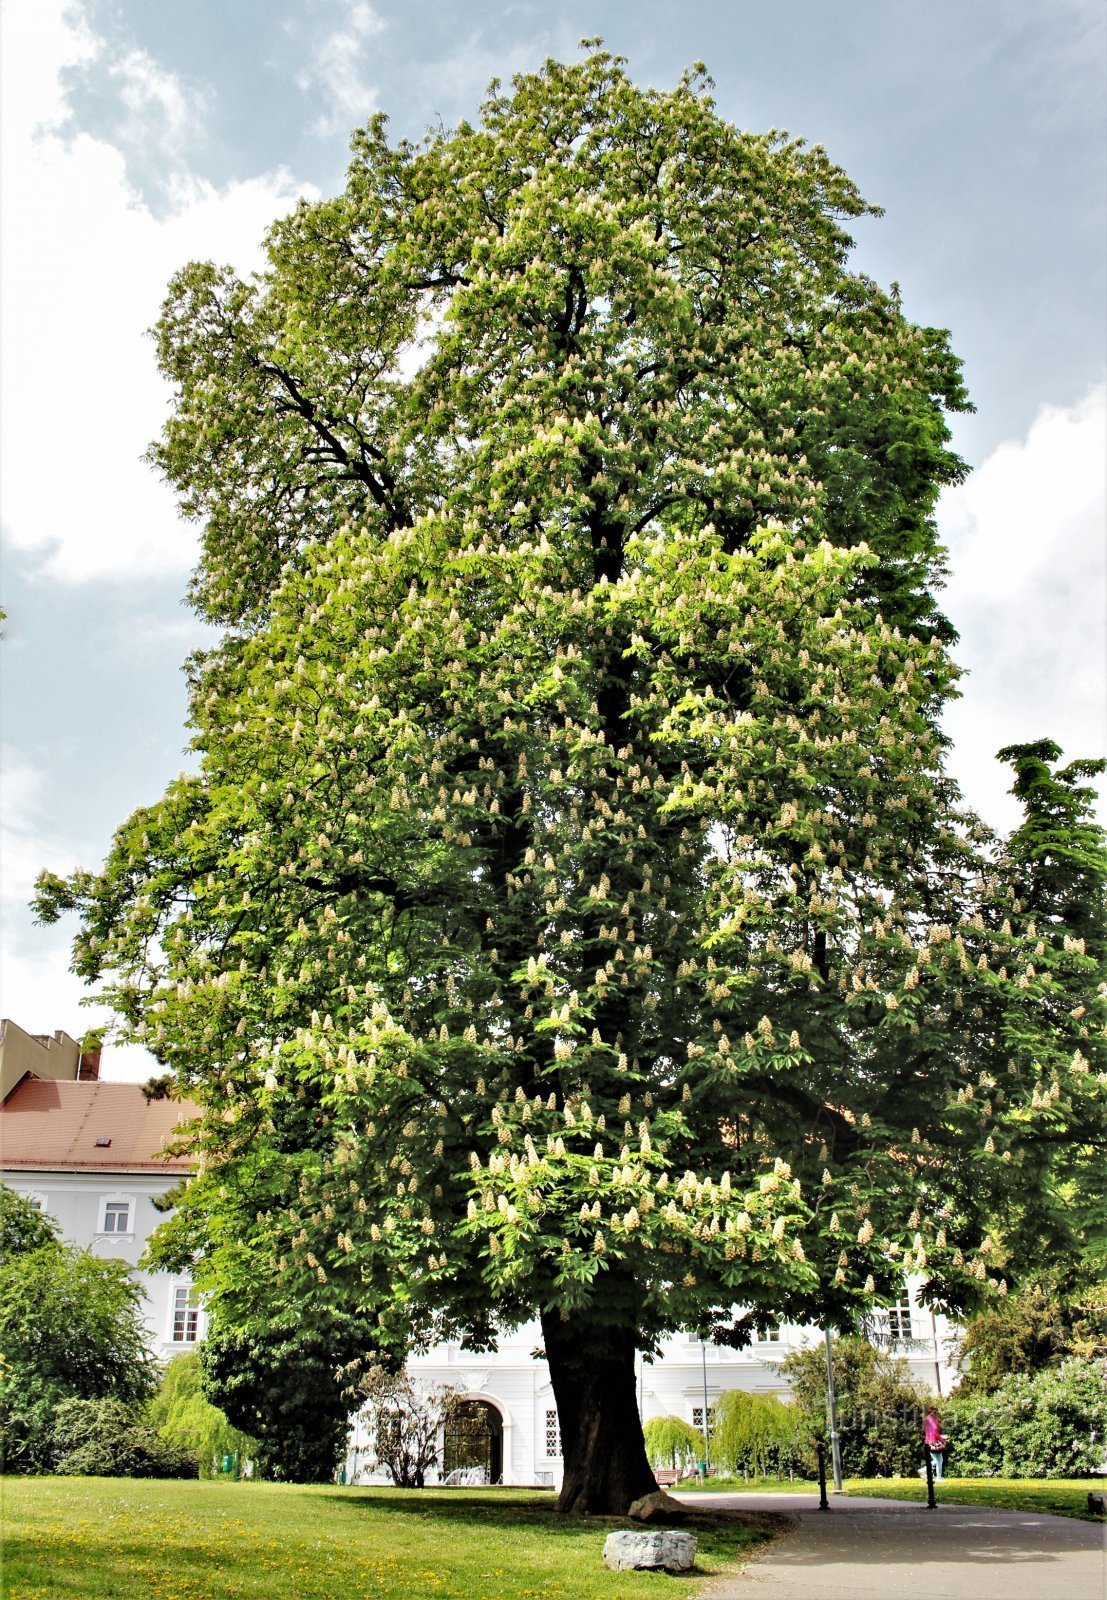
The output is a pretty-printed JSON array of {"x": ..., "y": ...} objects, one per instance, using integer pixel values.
[
  {"x": 658, "y": 1507},
  {"x": 661, "y": 1549}
]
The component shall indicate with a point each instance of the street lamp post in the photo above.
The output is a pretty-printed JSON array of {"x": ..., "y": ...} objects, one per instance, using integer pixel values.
[
  {"x": 937, "y": 1357},
  {"x": 832, "y": 1416},
  {"x": 706, "y": 1437}
]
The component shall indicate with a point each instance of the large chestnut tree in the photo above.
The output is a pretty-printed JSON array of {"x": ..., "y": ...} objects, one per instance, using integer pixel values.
[{"x": 570, "y": 914}]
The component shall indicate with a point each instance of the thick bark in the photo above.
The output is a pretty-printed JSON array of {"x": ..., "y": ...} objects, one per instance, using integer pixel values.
[{"x": 592, "y": 1371}]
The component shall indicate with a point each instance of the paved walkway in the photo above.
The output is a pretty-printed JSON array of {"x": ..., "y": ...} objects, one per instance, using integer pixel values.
[{"x": 865, "y": 1549}]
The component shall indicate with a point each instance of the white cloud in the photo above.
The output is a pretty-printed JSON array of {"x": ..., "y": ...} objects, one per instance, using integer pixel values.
[
  {"x": 1028, "y": 541},
  {"x": 28, "y": 837},
  {"x": 162, "y": 111},
  {"x": 84, "y": 270},
  {"x": 336, "y": 70},
  {"x": 37, "y": 989}
]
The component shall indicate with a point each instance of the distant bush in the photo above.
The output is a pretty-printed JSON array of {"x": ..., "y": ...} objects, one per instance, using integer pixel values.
[
  {"x": 672, "y": 1443},
  {"x": 109, "y": 1439},
  {"x": 759, "y": 1434},
  {"x": 880, "y": 1407},
  {"x": 184, "y": 1418},
  {"x": 1049, "y": 1425}
]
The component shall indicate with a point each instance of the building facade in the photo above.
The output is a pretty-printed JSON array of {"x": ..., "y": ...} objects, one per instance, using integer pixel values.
[{"x": 89, "y": 1155}]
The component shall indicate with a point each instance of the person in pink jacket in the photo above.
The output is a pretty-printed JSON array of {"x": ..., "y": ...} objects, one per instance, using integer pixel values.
[{"x": 935, "y": 1440}]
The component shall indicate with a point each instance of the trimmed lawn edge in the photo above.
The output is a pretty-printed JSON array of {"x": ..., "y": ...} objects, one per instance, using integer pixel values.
[{"x": 1058, "y": 1497}]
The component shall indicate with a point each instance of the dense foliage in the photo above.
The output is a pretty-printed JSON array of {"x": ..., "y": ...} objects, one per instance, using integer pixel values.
[
  {"x": 1037, "y": 1328},
  {"x": 281, "y": 1385},
  {"x": 1050, "y": 1424},
  {"x": 110, "y": 1439},
  {"x": 23, "y": 1226},
  {"x": 672, "y": 1443},
  {"x": 571, "y": 913},
  {"x": 880, "y": 1407},
  {"x": 759, "y": 1435},
  {"x": 187, "y": 1421},
  {"x": 71, "y": 1328}
]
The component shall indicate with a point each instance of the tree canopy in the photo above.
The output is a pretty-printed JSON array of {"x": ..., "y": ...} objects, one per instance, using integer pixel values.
[
  {"x": 23, "y": 1225},
  {"x": 571, "y": 912}
]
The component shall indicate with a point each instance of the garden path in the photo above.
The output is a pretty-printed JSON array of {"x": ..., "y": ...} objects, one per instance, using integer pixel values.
[{"x": 864, "y": 1549}]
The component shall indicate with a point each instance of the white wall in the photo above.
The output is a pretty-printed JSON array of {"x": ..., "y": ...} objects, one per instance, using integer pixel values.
[{"x": 77, "y": 1202}]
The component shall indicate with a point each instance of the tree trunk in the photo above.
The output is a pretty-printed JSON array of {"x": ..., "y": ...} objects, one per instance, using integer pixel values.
[{"x": 592, "y": 1371}]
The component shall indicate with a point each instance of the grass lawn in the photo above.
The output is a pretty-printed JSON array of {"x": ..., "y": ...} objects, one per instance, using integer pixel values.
[
  {"x": 144, "y": 1539},
  {"x": 1066, "y": 1497},
  {"x": 721, "y": 1485}
]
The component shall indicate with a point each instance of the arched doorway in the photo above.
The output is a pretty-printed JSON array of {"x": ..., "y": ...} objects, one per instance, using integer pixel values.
[{"x": 474, "y": 1439}]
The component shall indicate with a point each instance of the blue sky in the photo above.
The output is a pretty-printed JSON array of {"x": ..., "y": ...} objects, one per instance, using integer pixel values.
[{"x": 138, "y": 136}]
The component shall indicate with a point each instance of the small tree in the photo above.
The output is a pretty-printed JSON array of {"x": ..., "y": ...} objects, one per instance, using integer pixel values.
[
  {"x": 408, "y": 1420},
  {"x": 1027, "y": 1332},
  {"x": 284, "y": 1386},
  {"x": 187, "y": 1420},
  {"x": 758, "y": 1433},
  {"x": 671, "y": 1442},
  {"x": 880, "y": 1407},
  {"x": 71, "y": 1328}
]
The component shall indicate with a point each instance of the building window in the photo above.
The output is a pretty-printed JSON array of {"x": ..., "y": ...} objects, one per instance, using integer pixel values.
[
  {"x": 186, "y": 1314},
  {"x": 553, "y": 1435},
  {"x": 899, "y": 1322},
  {"x": 770, "y": 1334},
  {"x": 697, "y": 1419},
  {"x": 116, "y": 1217}
]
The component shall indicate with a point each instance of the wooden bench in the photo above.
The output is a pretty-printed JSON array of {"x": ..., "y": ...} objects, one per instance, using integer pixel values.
[{"x": 667, "y": 1477}]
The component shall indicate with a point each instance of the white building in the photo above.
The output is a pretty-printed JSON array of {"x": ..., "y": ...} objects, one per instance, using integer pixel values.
[{"x": 87, "y": 1154}]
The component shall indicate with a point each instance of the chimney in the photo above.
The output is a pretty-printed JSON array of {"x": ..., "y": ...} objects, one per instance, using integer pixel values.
[{"x": 88, "y": 1067}]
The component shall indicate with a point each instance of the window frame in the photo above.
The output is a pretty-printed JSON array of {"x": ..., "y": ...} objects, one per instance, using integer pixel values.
[
  {"x": 552, "y": 1434},
  {"x": 184, "y": 1305},
  {"x": 697, "y": 1420},
  {"x": 901, "y": 1322},
  {"x": 114, "y": 1201}
]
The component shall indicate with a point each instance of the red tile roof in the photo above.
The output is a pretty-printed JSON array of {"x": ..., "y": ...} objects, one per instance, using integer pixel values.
[{"x": 111, "y": 1127}]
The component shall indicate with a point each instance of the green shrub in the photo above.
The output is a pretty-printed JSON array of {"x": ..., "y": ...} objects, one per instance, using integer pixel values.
[
  {"x": 281, "y": 1384},
  {"x": 184, "y": 1418},
  {"x": 71, "y": 1328},
  {"x": 672, "y": 1443},
  {"x": 23, "y": 1227},
  {"x": 108, "y": 1439},
  {"x": 1049, "y": 1425},
  {"x": 759, "y": 1434}
]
